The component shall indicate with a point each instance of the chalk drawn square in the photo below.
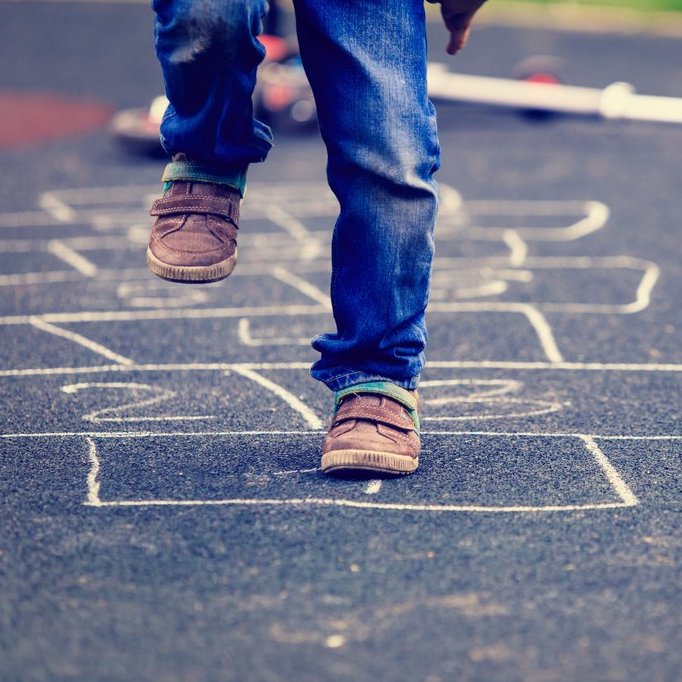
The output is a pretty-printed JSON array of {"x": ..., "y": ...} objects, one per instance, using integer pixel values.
[{"x": 469, "y": 473}]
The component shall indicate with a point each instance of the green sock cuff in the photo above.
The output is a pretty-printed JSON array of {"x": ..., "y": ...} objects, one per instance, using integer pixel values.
[
  {"x": 387, "y": 388},
  {"x": 196, "y": 172}
]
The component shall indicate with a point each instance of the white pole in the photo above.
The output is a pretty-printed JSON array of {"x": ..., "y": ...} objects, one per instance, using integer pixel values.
[{"x": 617, "y": 101}]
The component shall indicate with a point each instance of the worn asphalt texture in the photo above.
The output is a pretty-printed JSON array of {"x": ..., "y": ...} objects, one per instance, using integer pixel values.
[{"x": 163, "y": 517}]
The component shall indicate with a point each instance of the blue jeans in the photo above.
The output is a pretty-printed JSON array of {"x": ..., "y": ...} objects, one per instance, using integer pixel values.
[{"x": 366, "y": 62}]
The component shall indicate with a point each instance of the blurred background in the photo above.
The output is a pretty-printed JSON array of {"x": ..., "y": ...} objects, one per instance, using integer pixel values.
[{"x": 68, "y": 67}]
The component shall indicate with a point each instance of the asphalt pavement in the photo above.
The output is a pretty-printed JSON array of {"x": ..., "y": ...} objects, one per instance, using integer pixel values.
[{"x": 164, "y": 517}]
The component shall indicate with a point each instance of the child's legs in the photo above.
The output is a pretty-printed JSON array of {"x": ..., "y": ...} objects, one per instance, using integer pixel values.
[
  {"x": 209, "y": 54},
  {"x": 366, "y": 61}
]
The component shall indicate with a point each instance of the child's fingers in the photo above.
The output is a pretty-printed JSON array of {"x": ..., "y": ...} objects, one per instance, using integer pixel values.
[{"x": 459, "y": 26}]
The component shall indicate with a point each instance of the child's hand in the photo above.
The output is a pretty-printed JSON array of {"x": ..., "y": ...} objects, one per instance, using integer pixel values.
[{"x": 458, "y": 15}]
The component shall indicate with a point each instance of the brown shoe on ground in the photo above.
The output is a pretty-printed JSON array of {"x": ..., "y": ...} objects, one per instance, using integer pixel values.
[
  {"x": 194, "y": 236},
  {"x": 375, "y": 428}
]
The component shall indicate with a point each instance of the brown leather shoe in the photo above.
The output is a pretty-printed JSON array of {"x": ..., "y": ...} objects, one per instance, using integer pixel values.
[
  {"x": 375, "y": 427},
  {"x": 194, "y": 236}
]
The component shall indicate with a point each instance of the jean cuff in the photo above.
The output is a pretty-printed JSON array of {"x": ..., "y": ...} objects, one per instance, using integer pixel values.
[
  {"x": 340, "y": 380},
  {"x": 197, "y": 172}
]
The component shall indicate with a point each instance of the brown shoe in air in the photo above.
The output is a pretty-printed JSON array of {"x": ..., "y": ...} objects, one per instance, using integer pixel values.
[
  {"x": 194, "y": 236},
  {"x": 375, "y": 428}
]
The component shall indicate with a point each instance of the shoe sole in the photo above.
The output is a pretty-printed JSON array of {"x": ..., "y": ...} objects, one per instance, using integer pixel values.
[
  {"x": 368, "y": 460},
  {"x": 191, "y": 274}
]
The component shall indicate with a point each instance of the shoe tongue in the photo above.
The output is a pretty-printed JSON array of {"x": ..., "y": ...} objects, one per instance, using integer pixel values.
[
  {"x": 371, "y": 398},
  {"x": 177, "y": 189},
  {"x": 182, "y": 188},
  {"x": 203, "y": 188}
]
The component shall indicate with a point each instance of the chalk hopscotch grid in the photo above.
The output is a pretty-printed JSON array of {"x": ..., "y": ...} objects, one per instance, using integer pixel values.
[
  {"x": 107, "y": 210},
  {"x": 59, "y": 208}
]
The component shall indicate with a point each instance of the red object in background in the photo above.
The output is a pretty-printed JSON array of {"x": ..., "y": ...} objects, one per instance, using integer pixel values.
[
  {"x": 28, "y": 118},
  {"x": 548, "y": 78},
  {"x": 276, "y": 48}
]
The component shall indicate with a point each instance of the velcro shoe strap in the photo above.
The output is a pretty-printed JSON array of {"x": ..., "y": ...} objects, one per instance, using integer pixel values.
[
  {"x": 402, "y": 413},
  {"x": 390, "y": 414},
  {"x": 197, "y": 203}
]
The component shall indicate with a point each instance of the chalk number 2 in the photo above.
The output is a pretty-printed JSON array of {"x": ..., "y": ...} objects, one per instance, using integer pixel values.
[{"x": 144, "y": 396}]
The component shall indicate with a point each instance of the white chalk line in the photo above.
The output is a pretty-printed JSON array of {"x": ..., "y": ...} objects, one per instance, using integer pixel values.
[
  {"x": 154, "y": 434},
  {"x": 289, "y": 398},
  {"x": 56, "y": 208},
  {"x": 497, "y": 387},
  {"x": 80, "y": 340},
  {"x": 168, "y": 314},
  {"x": 290, "y": 472},
  {"x": 52, "y": 277},
  {"x": 170, "y": 418},
  {"x": 373, "y": 486},
  {"x": 114, "y": 220},
  {"x": 433, "y": 364},
  {"x": 93, "y": 474},
  {"x": 588, "y": 262},
  {"x": 115, "y": 194},
  {"x": 76, "y": 260},
  {"x": 153, "y": 294},
  {"x": 21, "y": 246},
  {"x": 303, "y": 286},
  {"x": 97, "y": 243},
  {"x": 542, "y": 328},
  {"x": 317, "y": 433},
  {"x": 333, "y": 502},
  {"x": 494, "y": 288},
  {"x": 614, "y": 478},
  {"x": 142, "y": 274},
  {"x": 596, "y": 217},
  {"x": 541, "y": 407},
  {"x": 65, "y": 276},
  {"x": 211, "y": 366},
  {"x": 310, "y": 245},
  {"x": 12, "y": 219},
  {"x": 544, "y": 332},
  {"x": 643, "y": 294},
  {"x": 559, "y": 366},
  {"x": 244, "y": 334},
  {"x": 525, "y": 276},
  {"x": 518, "y": 249}
]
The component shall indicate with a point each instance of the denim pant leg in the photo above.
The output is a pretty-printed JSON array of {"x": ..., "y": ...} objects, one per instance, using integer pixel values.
[
  {"x": 209, "y": 53},
  {"x": 366, "y": 61}
]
